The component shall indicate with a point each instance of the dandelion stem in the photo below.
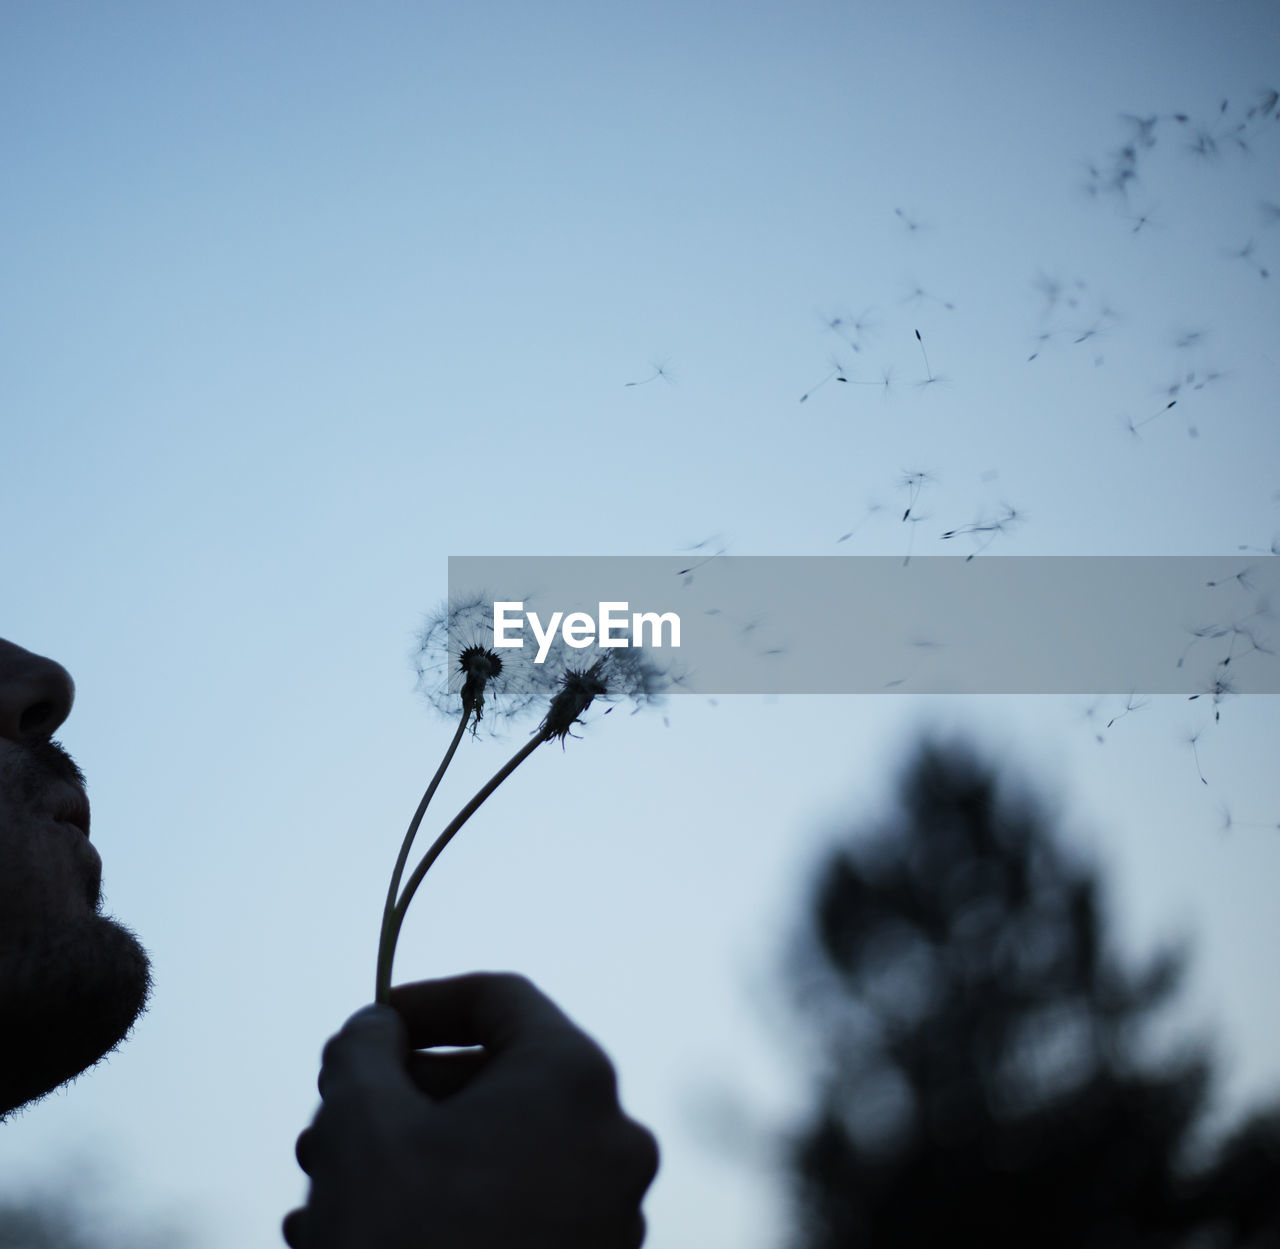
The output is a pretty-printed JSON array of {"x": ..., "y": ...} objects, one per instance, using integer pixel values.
[
  {"x": 407, "y": 843},
  {"x": 391, "y": 929}
]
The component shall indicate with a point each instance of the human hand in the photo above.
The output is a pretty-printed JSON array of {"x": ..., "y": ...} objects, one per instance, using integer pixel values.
[{"x": 522, "y": 1145}]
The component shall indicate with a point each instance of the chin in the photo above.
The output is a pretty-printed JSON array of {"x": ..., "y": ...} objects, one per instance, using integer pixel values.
[{"x": 67, "y": 1000}]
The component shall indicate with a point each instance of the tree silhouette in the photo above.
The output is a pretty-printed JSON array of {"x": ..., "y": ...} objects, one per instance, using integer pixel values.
[
  {"x": 68, "y": 1216},
  {"x": 989, "y": 1076},
  {"x": 35, "y": 1225}
]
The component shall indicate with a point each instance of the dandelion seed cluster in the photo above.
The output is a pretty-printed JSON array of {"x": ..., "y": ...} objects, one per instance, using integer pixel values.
[
  {"x": 459, "y": 669},
  {"x": 616, "y": 674}
]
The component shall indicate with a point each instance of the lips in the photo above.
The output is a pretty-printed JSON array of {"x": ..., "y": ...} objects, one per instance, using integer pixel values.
[{"x": 72, "y": 807}]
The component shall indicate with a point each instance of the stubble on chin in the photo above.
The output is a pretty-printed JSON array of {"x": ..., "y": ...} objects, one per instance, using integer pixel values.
[{"x": 67, "y": 1000}]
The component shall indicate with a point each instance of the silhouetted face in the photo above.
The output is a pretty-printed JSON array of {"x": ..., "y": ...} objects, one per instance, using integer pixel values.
[{"x": 72, "y": 981}]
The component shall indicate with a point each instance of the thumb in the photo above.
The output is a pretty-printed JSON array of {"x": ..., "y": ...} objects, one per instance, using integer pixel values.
[{"x": 369, "y": 1054}]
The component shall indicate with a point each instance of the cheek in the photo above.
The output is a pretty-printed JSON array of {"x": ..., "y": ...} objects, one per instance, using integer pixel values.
[{"x": 44, "y": 876}]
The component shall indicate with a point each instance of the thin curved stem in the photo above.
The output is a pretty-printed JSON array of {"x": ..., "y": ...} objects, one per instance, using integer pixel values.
[
  {"x": 391, "y": 931},
  {"x": 407, "y": 843}
]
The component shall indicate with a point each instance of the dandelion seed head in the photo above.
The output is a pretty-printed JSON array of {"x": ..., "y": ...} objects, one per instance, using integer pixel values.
[
  {"x": 478, "y": 666},
  {"x": 459, "y": 670},
  {"x": 579, "y": 688},
  {"x": 619, "y": 673}
]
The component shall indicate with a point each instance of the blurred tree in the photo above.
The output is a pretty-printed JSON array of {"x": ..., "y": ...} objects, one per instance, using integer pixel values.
[
  {"x": 988, "y": 1073},
  {"x": 36, "y": 1223},
  {"x": 67, "y": 1216}
]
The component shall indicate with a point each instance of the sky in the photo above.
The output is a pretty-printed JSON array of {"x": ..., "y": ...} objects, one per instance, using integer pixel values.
[{"x": 298, "y": 301}]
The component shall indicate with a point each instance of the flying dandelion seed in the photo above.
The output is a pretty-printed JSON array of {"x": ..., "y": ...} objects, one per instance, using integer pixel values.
[
  {"x": 910, "y": 223},
  {"x": 872, "y": 509},
  {"x": 925, "y": 354},
  {"x": 985, "y": 532},
  {"x": 1132, "y": 703},
  {"x": 1142, "y": 221},
  {"x": 846, "y": 328},
  {"x": 913, "y": 521},
  {"x": 660, "y": 370},
  {"x": 1207, "y": 379},
  {"x": 1246, "y": 254},
  {"x": 884, "y": 381},
  {"x": 1199, "y": 635},
  {"x": 931, "y": 378},
  {"x": 913, "y": 481},
  {"x": 1241, "y": 579},
  {"x": 721, "y": 548},
  {"x": 919, "y": 294},
  {"x": 1219, "y": 689},
  {"x": 1090, "y": 713},
  {"x": 1228, "y": 823},
  {"x": 1144, "y": 129},
  {"x": 1051, "y": 289},
  {"x": 1273, "y": 549},
  {"x": 1203, "y": 145},
  {"x": 1193, "y": 740},
  {"x": 1042, "y": 340},
  {"x": 850, "y": 329},
  {"x": 863, "y": 324},
  {"x": 837, "y": 372},
  {"x": 1135, "y": 427}
]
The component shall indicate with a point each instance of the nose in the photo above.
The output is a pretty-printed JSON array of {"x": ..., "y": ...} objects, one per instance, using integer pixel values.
[{"x": 35, "y": 694}]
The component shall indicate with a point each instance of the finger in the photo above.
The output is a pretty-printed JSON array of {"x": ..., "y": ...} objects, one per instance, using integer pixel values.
[
  {"x": 294, "y": 1229},
  {"x": 367, "y": 1056},
  {"x": 441, "y": 1075},
  {"x": 499, "y": 1010},
  {"x": 648, "y": 1157},
  {"x": 636, "y": 1233},
  {"x": 304, "y": 1150}
]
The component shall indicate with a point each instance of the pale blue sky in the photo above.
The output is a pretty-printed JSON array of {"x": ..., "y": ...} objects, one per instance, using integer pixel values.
[{"x": 297, "y": 302}]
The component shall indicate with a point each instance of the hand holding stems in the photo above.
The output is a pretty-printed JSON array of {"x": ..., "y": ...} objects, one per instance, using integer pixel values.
[
  {"x": 520, "y": 1142},
  {"x": 479, "y": 665}
]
